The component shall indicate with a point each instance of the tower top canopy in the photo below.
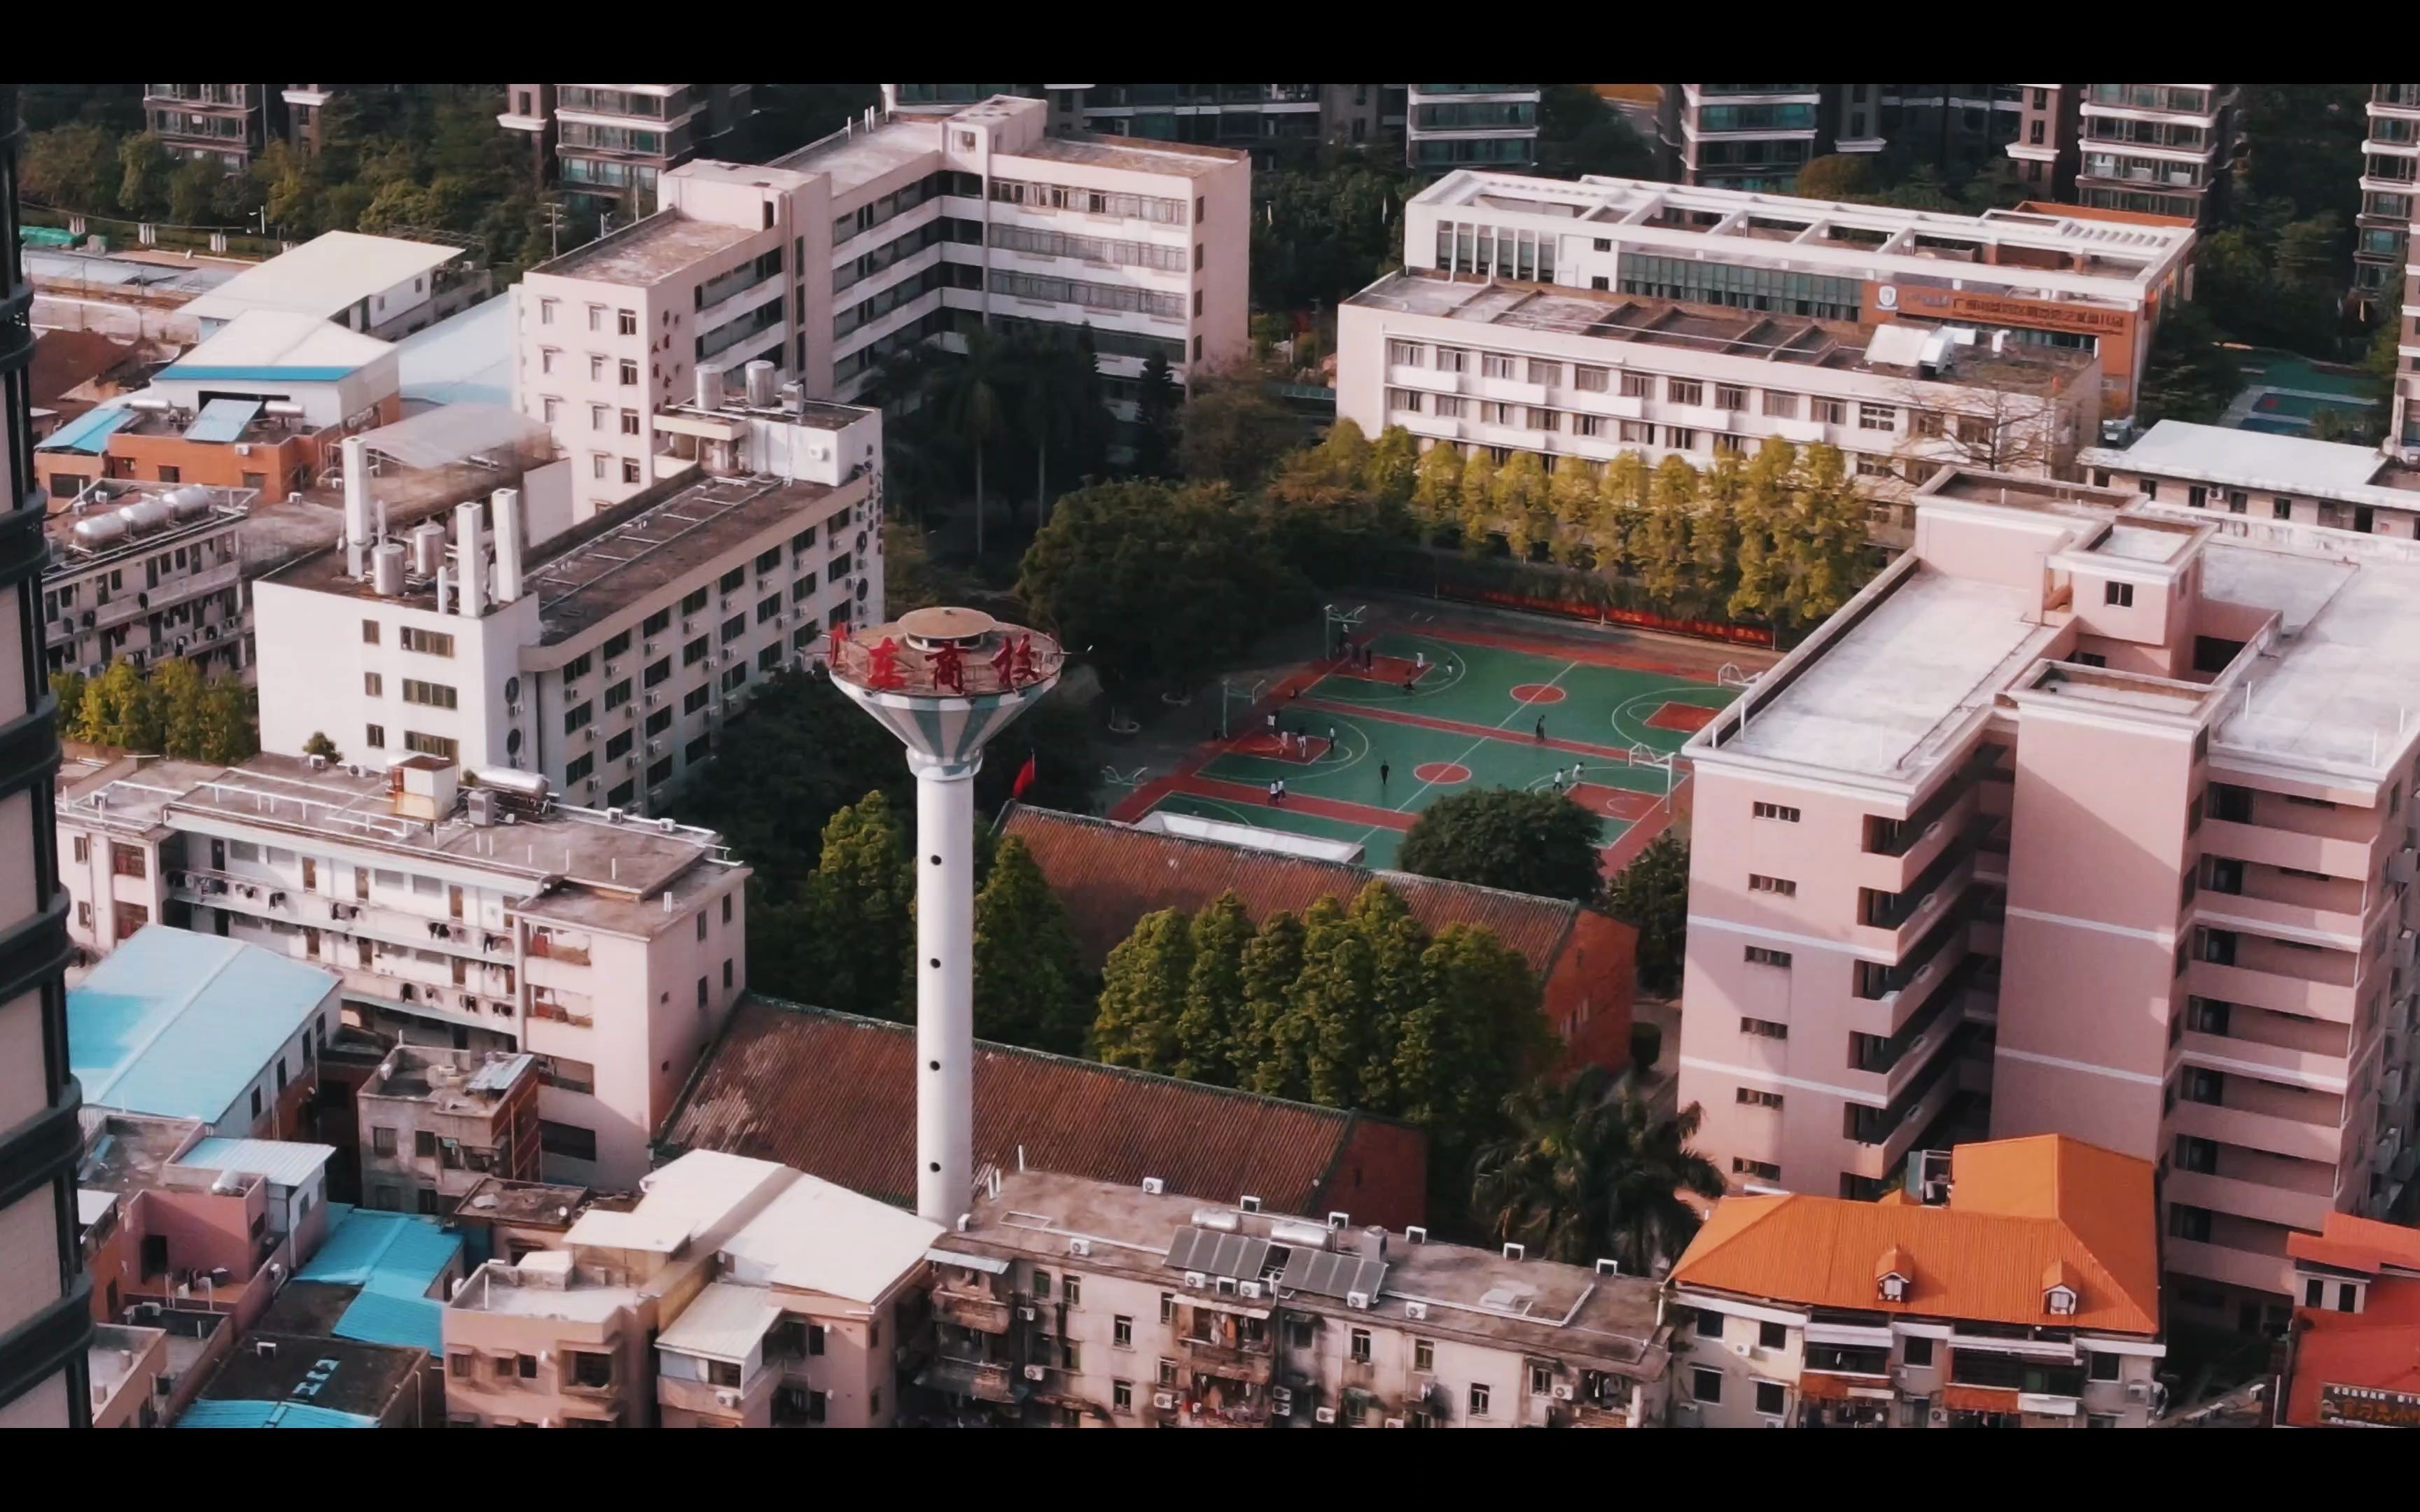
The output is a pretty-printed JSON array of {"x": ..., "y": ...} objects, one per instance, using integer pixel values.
[
  {"x": 928, "y": 628},
  {"x": 946, "y": 655}
]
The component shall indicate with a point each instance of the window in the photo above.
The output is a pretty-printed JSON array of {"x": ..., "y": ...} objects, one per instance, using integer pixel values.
[
  {"x": 1121, "y": 1396},
  {"x": 1070, "y": 1287},
  {"x": 1706, "y": 1385},
  {"x": 374, "y": 736},
  {"x": 659, "y": 670},
  {"x": 1685, "y": 391},
  {"x": 369, "y": 632},
  {"x": 630, "y": 423},
  {"x": 1122, "y": 1332},
  {"x": 2121, "y": 594},
  {"x": 617, "y": 695},
  {"x": 1757, "y": 1098},
  {"x": 1680, "y": 439},
  {"x": 127, "y": 861},
  {"x": 814, "y": 1338},
  {"x": 1637, "y": 386},
  {"x": 626, "y": 322},
  {"x": 629, "y": 469},
  {"x": 433, "y": 695},
  {"x": 1167, "y": 1307},
  {"x": 1478, "y": 1400},
  {"x": 383, "y": 1141},
  {"x": 1590, "y": 380},
  {"x": 1763, "y": 1170},
  {"x": 1915, "y": 1351},
  {"x": 1730, "y": 397},
  {"x": 2098, "y": 1366},
  {"x": 1168, "y": 1372},
  {"x": 1709, "y": 1324},
  {"x": 576, "y": 717},
  {"x": 427, "y": 643},
  {"x": 1776, "y": 810},
  {"x": 1765, "y": 1028},
  {"x": 544, "y": 307},
  {"x": 734, "y": 627},
  {"x": 568, "y": 1140},
  {"x": 1780, "y": 887},
  {"x": 1781, "y": 405},
  {"x": 1877, "y": 417},
  {"x": 1829, "y": 411},
  {"x": 1361, "y": 1346},
  {"x": 695, "y": 651},
  {"x": 1424, "y": 1356},
  {"x": 629, "y": 373},
  {"x": 1768, "y": 1398}
]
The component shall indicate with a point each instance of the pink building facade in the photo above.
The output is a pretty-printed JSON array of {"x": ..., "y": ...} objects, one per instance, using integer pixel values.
[{"x": 2090, "y": 813}]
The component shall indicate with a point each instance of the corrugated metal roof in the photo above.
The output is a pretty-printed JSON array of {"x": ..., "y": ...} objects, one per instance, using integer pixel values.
[
  {"x": 1109, "y": 875},
  {"x": 723, "y": 1323},
  {"x": 394, "y": 1254},
  {"x": 834, "y": 1095},
  {"x": 223, "y": 420},
  {"x": 324, "y": 277},
  {"x": 88, "y": 432},
  {"x": 178, "y": 1024},
  {"x": 375, "y": 1317},
  {"x": 270, "y": 1415},
  {"x": 283, "y": 1163}
]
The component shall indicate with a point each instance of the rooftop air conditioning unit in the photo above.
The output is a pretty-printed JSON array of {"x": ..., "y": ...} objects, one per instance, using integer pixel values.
[
  {"x": 1325, "y": 1414},
  {"x": 1153, "y": 1186},
  {"x": 1416, "y": 1310},
  {"x": 1080, "y": 1246},
  {"x": 1196, "y": 1280},
  {"x": 1163, "y": 1400},
  {"x": 1562, "y": 1393},
  {"x": 1358, "y": 1298},
  {"x": 1250, "y": 1204},
  {"x": 1249, "y": 1288}
]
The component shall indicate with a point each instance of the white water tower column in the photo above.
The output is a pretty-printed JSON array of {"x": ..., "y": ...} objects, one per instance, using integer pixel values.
[{"x": 944, "y": 681}]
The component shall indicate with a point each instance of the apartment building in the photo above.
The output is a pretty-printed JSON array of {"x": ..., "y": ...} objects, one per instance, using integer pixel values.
[
  {"x": 305, "y": 103},
  {"x": 481, "y": 917},
  {"x": 228, "y": 122},
  {"x": 2353, "y": 1354},
  {"x": 2157, "y": 149},
  {"x": 1263, "y": 119},
  {"x": 125, "y": 1366},
  {"x": 2403, "y": 425},
  {"x": 147, "y": 571},
  {"x": 2095, "y": 807},
  {"x": 45, "y": 1322},
  {"x": 736, "y": 1293},
  {"x": 1520, "y": 366},
  {"x": 437, "y": 1123},
  {"x": 186, "y": 1025},
  {"x": 1063, "y": 1302},
  {"x": 2047, "y": 146},
  {"x": 2048, "y": 279},
  {"x": 2014, "y": 1284},
  {"x": 608, "y": 144},
  {"x": 2259, "y": 476},
  {"x": 1449, "y": 126},
  {"x": 2389, "y": 180},
  {"x": 1756, "y": 136},
  {"x": 607, "y": 656}
]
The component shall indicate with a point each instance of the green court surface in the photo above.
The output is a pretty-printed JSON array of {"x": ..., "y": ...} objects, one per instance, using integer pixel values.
[{"x": 1468, "y": 722}]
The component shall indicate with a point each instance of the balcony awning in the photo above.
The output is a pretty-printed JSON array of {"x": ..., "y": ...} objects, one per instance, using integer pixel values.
[
  {"x": 1815, "y": 1386},
  {"x": 1979, "y": 1399},
  {"x": 973, "y": 1262}
]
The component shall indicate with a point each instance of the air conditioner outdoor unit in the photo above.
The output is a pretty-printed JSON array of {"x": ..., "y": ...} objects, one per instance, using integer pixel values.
[
  {"x": 1034, "y": 1372},
  {"x": 726, "y": 1398},
  {"x": 1249, "y": 1288},
  {"x": 2138, "y": 1391},
  {"x": 1740, "y": 1347},
  {"x": 1153, "y": 1186},
  {"x": 1325, "y": 1414},
  {"x": 1025, "y": 1315},
  {"x": 1358, "y": 1298},
  {"x": 1416, "y": 1310},
  {"x": 1394, "y": 1422},
  {"x": 1196, "y": 1280},
  {"x": 1562, "y": 1393},
  {"x": 1080, "y": 1246},
  {"x": 1163, "y": 1400}
]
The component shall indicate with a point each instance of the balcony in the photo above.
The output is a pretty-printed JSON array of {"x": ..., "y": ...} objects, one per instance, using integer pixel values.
[
  {"x": 1901, "y": 853},
  {"x": 2233, "y": 1053},
  {"x": 715, "y": 1401},
  {"x": 2240, "y": 910},
  {"x": 1231, "y": 1362},
  {"x": 1897, "y": 921},
  {"x": 2322, "y": 1142},
  {"x": 1426, "y": 379},
  {"x": 2235, "y": 1267},
  {"x": 2267, "y": 989},
  {"x": 980, "y": 1312},
  {"x": 986, "y": 1380},
  {"x": 2249, "y": 1199},
  {"x": 2304, "y": 852}
]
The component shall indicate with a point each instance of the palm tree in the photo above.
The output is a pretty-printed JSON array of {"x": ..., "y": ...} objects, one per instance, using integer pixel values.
[
  {"x": 1586, "y": 1174},
  {"x": 1047, "y": 394},
  {"x": 973, "y": 408}
]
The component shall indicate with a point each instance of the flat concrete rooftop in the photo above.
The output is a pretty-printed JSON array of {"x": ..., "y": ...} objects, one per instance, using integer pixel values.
[{"x": 649, "y": 252}]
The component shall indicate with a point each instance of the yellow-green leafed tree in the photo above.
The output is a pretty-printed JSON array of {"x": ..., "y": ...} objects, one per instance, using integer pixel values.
[
  {"x": 1477, "y": 513},
  {"x": 1573, "y": 501},
  {"x": 1521, "y": 491},
  {"x": 1760, "y": 512},
  {"x": 1622, "y": 509},
  {"x": 1659, "y": 549},
  {"x": 1389, "y": 470}
]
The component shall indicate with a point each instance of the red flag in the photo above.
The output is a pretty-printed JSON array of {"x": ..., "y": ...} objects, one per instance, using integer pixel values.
[{"x": 1024, "y": 779}]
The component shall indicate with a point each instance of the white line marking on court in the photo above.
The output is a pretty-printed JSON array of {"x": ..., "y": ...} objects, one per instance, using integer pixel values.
[{"x": 1464, "y": 761}]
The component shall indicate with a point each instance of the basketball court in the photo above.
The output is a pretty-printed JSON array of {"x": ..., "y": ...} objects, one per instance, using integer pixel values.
[{"x": 1427, "y": 705}]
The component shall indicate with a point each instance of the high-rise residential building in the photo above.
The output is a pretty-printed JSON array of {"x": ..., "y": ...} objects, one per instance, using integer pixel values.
[
  {"x": 2390, "y": 193},
  {"x": 485, "y": 916},
  {"x": 892, "y": 233},
  {"x": 2044, "y": 146},
  {"x": 1449, "y": 126},
  {"x": 304, "y": 103},
  {"x": 2013, "y": 1284},
  {"x": 1125, "y": 1306},
  {"x": 2403, "y": 420},
  {"x": 2013, "y": 299},
  {"x": 1757, "y": 136},
  {"x": 230, "y": 122},
  {"x": 2095, "y": 807},
  {"x": 608, "y": 145},
  {"x": 2157, "y": 149},
  {"x": 46, "y": 1316}
]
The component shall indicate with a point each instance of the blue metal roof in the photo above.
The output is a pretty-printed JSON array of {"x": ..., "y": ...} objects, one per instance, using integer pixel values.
[
  {"x": 87, "y": 432},
  {"x": 209, "y": 1414},
  {"x": 184, "y": 372},
  {"x": 178, "y": 1024},
  {"x": 378, "y": 1319},
  {"x": 223, "y": 420}
]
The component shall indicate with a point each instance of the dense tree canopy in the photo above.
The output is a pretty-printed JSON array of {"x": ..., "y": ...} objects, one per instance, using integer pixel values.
[
  {"x": 1651, "y": 895},
  {"x": 1580, "y": 132},
  {"x": 2188, "y": 375},
  {"x": 1031, "y": 988},
  {"x": 1319, "y": 234},
  {"x": 1540, "y": 843},
  {"x": 170, "y": 710},
  {"x": 1586, "y": 1174}
]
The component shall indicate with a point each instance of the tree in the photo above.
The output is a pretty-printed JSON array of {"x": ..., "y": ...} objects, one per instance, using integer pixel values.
[
  {"x": 857, "y": 913},
  {"x": 1232, "y": 431},
  {"x": 321, "y": 746},
  {"x": 1143, "y": 986},
  {"x": 1761, "y": 573},
  {"x": 1101, "y": 574},
  {"x": 1210, "y": 1026},
  {"x": 2188, "y": 376},
  {"x": 1533, "y": 842},
  {"x": 1390, "y": 473},
  {"x": 1477, "y": 499},
  {"x": 1573, "y": 502},
  {"x": 74, "y": 166},
  {"x": 1318, "y": 234},
  {"x": 1343, "y": 455},
  {"x": 1330, "y": 1026},
  {"x": 228, "y": 729},
  {"x": 1157, "y": 404},
  {"x": 176, "y": 688},
  {"x": 973, "y": 410},
  {"x": 1520, "y": 504},
  {"x": 1659, "y": 549},
  {"x": 2001, "y": 425},
  {"x": 1651, "y": 896},
  {"x": 119, "y": 710},
  {"x": 1828, "y": 535},
  {"x": 1436, "y": 489},
  {"x": 1271, "y": 963},
  {"x": 1585, "y": 1174},
  {"x": 1839, "y": 175},
  {"x": 1474, "y": 1035},
  {"x": 143, "y": 170},
  {"x": 1580, "y": 132},
  {"x": 1029, "y": 987},
  {"x": 67, "y": 693}
]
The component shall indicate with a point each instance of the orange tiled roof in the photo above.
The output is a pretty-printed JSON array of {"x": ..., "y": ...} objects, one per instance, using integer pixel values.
[
  {"x": 2363, "y": 1245},
  {"x": 2017, "y": 1208}
]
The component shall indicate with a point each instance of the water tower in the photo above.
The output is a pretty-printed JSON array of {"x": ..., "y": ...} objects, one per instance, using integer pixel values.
[{"x": 945, "y": 681}]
